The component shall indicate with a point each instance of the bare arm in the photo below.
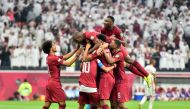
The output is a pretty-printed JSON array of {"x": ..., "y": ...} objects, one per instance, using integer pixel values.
[
  {"x": 73, "y": 59},
  {"x": 97, "y": 44},
  {"x": 68, "y": 55},
  {"x": 104, "y": 68},
  {"x": 107, "y": 69},
  {"x": 86, "y": 56},
  {"x": 109, "y": 59}
]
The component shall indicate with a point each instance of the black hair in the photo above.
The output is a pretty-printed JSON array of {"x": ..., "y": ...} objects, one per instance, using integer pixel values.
[
  {"x": 46, "y": 46},
  {"x": 118, "y": 43},
  {"x": 25, "y": 80},
  {"x": 102, "y": 37},
  {"x": 112, "y": 18}
]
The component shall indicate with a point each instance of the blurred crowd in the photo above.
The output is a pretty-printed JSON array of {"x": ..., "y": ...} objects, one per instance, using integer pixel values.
[
  {"x": 152, "y": 28},
  {"x": 168, "y": 93}
]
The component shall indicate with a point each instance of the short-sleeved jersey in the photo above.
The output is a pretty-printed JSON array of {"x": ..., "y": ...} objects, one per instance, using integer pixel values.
[
  {"x": 89, "y": 72},
  {"x": 119, "y": 71},
  {"x": 114, "y": 31},
  {"x": 54, "y": 63},
  {"x": 105, "y": 63}
]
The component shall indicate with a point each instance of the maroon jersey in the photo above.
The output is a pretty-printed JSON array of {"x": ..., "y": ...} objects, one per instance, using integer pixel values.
[
  {"x": 54, "y": 63},
  {"x": 105, "y": 63},
  {"x": 89, "y": 72},
  {"x": 91, "y": 37},
  {"x": 114, "y": 31},
  {"x": 119, "y": 71},
  {"x": 54, "y": 91}
]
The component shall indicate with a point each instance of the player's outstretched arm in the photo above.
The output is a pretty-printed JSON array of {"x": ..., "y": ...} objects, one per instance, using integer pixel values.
[
  {"x": 73, "y": 59},
  {"x": 109, "y": 59},
  {"x": 97, "y": 44},
  {"x": 86, "y": 56},
  {"x": 104, "y": 68},
  {"x": 68, "y": 55}
]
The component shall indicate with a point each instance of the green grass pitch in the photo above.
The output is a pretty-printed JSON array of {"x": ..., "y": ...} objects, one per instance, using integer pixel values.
[{"x": 74, "y": 105}]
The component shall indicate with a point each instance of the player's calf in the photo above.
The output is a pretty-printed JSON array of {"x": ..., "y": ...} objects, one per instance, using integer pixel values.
[{"x": 62, "y": 105}]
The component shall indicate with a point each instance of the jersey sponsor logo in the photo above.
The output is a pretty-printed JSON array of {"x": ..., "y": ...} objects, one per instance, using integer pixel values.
[
  {"x": 91, "y": 37},
  {"x": 117, "y": 56},
  {"x": 59, "y": 60},
  {"x": 121, "y": 34}
]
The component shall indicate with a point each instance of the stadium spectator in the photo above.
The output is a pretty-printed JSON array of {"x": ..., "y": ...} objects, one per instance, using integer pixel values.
[
  {"x": 25, "y": 89},
  {"x": 159, "y": 23}
]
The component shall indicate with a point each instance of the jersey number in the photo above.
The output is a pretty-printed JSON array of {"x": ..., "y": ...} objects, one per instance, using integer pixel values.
[{"x": 86, "y": 67}]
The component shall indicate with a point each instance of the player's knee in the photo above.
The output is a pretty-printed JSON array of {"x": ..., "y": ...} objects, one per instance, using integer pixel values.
[
  {"x": 62, "y": 106},
  {"x": 62, "y": 103},
  {"x": 129, "y": 60}
]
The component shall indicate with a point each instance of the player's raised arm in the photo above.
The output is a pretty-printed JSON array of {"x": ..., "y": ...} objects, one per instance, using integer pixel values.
[
  {"x": 73, "y": 59},
  {"x": 68, "y": 55},
  {"x": 115, "y": 44},
  {"x": 97, "y": 43},
  {"x": 104, "y": 68},
  {"x": 87, "y": 56}
]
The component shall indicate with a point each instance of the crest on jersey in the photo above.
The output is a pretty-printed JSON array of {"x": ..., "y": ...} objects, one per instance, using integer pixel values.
[
  {"x": 121, "y": 34},
  {"x": 91, "y": 37},
  {"x": 59, "y": 60},
  {"x": 117, "y": 56}
]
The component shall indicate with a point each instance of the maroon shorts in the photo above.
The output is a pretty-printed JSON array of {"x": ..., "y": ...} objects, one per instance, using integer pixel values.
[
  {"x": 105, "y": 87},
  {"x": 54, "y": 92},
  {"x": 124, "y": 51},
  {"x": 120, "y": 93},
  {"x": 88, "y": 98}
]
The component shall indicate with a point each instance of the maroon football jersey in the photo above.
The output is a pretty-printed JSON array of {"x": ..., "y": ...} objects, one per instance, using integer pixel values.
[{"x": 89, "y": 72}]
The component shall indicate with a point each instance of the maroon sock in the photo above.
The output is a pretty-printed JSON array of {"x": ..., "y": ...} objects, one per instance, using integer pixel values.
[
  {"x": 134, "y": 70},
  {"x": 93, "y": 107},
  {"x": 62, "y": 106},
  {"x": 105, "y": 107},
  {"x": 44, "y": 107},
  {"x": 140, "y": 68}
]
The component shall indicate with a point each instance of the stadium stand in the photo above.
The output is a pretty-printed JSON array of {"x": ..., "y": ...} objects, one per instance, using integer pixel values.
[{"x": 152, "y": 28}]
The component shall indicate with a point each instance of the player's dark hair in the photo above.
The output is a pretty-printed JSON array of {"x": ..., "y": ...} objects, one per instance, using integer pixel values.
[
  {"x": 118, "y": 43},
  {"x": 102, "y": 37},
  {"x": 46, "y": 46},
  {"x": 112, "y": 18}
]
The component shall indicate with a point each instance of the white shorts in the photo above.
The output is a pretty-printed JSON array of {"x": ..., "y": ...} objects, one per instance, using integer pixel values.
[
  {"x": 150, "y": 91},
  {"x": 83, "y": 88}
]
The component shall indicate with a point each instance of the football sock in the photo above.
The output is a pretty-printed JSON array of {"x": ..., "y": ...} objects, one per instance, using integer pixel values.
[
  {"x": 151, "y": 102},
  {"x": 134, "y": 70},
  {"x": 143, "y": 100},
  {"x": 62, "y": 106},
  {"x": 140, "y": 68}
]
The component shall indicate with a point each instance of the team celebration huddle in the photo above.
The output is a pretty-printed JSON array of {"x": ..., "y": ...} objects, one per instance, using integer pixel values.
[{"x": 103, "y": 80}]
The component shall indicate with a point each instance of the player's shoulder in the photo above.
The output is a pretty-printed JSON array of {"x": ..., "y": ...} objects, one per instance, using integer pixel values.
[
  {"x": 52, "y": 57},
  {"x": 151, "y": 68},
  {"x": 117, "y": 29},
  {"x": 118, "y": 55}
]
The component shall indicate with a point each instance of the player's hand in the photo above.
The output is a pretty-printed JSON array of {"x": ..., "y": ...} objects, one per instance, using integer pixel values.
[
  {"x": 105, "y": 45},
  {"x": 79, "y": 51},
  {"x": 112, "y": 37},
  {"x": 88, "y": 45},
  {"x": 114, "y": 65},
  {"x": 78, "y": 46}
]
